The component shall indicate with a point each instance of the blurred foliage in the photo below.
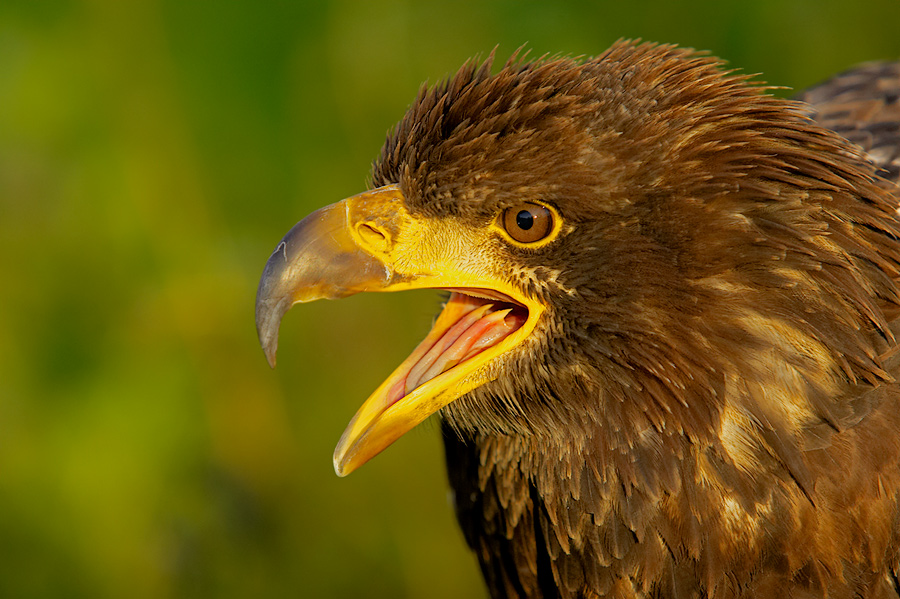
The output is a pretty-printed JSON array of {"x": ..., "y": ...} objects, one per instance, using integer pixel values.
[{"x": 152, "y": 152}]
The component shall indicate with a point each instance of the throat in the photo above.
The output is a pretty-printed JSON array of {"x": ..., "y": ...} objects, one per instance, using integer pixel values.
[
  {"x": 535, "y": 514},
  {"x": 532, "y": 513}
]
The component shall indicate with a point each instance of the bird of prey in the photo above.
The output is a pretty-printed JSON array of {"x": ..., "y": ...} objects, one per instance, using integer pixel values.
[{"x": 667, "y": 362}]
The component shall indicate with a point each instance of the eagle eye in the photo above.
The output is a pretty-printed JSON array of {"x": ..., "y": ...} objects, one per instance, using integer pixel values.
[{"x": 528, "y": 222}]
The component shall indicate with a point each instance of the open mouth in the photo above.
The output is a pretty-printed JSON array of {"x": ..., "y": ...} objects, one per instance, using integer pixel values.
[
  {"x": 371, "y": 242},
  {"x": 475, "y": 328},
  {"x": 472, "y": 321}
]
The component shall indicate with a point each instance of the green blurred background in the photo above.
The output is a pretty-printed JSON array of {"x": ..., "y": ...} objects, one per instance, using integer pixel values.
[{"x": 152, "y": 153}]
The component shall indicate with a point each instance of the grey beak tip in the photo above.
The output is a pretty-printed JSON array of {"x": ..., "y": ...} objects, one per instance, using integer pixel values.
[
  {"x": 270, "y": 358},
  {"x": 269, "y": 313},
  {"x": 268, "y": 339}
]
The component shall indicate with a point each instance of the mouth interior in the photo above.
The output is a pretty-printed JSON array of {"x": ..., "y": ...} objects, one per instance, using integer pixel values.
[{"x": 471, "y": 322}]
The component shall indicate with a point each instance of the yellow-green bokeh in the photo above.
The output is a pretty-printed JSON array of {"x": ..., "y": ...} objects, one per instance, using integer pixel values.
[{"x": 152, "y": 152}]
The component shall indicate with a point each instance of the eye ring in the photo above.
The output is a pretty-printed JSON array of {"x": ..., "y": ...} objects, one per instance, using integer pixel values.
[{"x": 528, "y": 222}]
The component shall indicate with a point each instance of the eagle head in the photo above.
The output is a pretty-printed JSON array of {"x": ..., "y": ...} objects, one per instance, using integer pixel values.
[{"x": 642, "y": 252}]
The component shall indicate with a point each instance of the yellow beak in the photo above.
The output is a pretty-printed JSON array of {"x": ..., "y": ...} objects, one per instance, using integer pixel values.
[{"x": 371, "y": 242}]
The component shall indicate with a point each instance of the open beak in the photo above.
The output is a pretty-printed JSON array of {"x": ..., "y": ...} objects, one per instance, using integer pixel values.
[{"x": 370, "y": 242}]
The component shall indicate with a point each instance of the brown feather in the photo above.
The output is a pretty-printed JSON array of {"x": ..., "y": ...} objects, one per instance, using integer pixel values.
[{"x": 863, "y": 105}]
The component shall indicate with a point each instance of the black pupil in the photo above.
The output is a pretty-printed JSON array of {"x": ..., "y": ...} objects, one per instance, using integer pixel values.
[{"x": 524, "y": 220}]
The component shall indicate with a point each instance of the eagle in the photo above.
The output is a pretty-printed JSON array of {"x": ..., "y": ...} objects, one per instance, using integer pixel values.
[{"x": 667, "y": 362}]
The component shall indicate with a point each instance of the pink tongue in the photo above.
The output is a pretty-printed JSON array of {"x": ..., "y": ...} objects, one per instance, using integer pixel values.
[{"x": 474, "y": 332}]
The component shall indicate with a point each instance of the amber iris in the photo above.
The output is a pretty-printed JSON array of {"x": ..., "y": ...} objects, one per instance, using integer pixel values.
[{"x": 528, "y": 223}]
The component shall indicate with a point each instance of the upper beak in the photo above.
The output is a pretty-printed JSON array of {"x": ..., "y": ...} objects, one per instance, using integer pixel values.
[
  {"x": 330, "y": 254},
  {"x": 370, "y": 242}
]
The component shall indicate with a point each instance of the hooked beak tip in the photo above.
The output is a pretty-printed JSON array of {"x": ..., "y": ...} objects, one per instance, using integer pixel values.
[
  {"x": 270, "y": 357},
  {"x": 269, "y": 313}
]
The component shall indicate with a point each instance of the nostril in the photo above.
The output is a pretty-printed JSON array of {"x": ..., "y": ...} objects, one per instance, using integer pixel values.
[{"x": 373, "y": 237}]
